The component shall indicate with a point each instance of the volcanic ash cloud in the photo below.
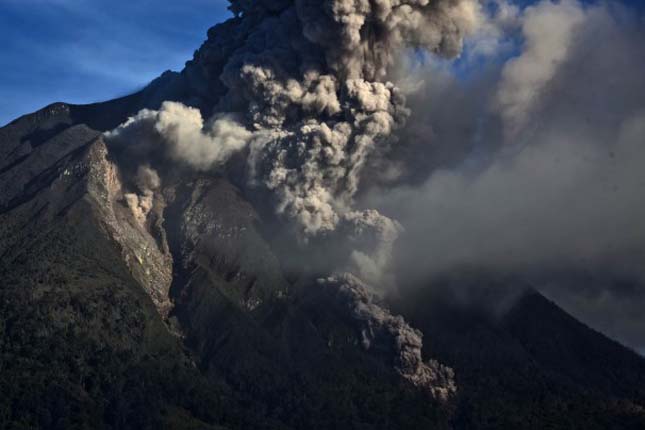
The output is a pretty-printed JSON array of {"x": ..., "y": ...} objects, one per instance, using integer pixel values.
[
  {"x": 306, "y": 92},
  {"x": 302, "y": 87}
]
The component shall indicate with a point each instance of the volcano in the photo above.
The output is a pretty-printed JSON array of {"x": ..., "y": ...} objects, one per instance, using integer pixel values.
[{"x": 160, "y": 295}]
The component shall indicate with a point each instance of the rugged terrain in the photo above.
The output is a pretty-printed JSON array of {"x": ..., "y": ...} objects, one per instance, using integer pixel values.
[
  {"x": 186, "y": 319},
  {"x": 182, "y": 319},
  {"x": 140, "y": 293}
]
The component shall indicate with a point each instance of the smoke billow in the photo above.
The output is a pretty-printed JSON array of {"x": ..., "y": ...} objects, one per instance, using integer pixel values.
[
  {"x": 310, "y": 78},
  {"x": 568, "y": 189},
  {"x": 382, "y": 330},
  {"x": 533, "y": 163},
  {"x": 537, "y": 165},
  {"x": 147, "y": 181},
  {"x": 184, "y": 136},
  {"x": 302, "y": 86},
  {"x": 548, "y": 33},
  {"x": 331, "y": 111}
]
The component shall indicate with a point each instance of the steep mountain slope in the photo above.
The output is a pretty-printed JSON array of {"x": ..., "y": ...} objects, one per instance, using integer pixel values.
[
  {"x": 99, "y": 304},
  {"x": 82, "y": 343}
]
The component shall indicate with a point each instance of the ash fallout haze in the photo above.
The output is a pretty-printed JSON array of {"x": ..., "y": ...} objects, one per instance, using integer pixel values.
[{"x": 338, "y": 214}]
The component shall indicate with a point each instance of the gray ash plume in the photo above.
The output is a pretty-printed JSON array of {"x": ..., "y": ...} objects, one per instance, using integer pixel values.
[
  {"x": 303, "y": 87},
  {"x": 383, "y": 331}
]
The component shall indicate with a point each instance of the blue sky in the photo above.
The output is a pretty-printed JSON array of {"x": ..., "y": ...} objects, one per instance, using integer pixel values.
[{"x": 82, "y": 51}]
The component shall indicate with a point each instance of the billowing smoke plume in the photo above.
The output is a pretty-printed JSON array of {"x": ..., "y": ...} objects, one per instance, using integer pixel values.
[
  {"x": 302, "y": 86},
  {"x": 179, "y": 131},
  {"x": 308, "y": 82},
  {"x": 382, "y": 330},
  {"x": 319, "y": 88},
  {"x": 535, "y": 165},
  {"x": 549, "y": 33},
  {"x": 360, "y": 39},
  {"x": 147, "y": 182}
]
